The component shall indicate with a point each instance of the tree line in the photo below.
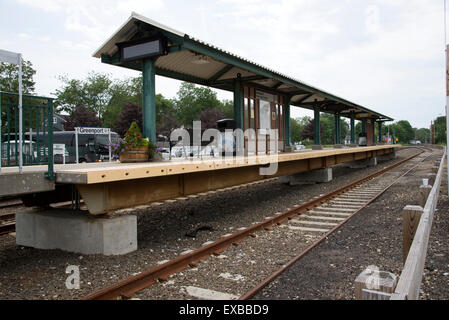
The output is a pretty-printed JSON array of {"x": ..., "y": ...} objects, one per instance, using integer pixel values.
[{"x": 99, "y": 100}]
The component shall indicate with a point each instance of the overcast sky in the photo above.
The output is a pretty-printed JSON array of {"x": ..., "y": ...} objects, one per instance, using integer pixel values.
[{"x": 387, "y": 55}]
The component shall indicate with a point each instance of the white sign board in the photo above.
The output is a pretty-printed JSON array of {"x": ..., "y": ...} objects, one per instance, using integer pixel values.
[
  {"x": 265, "y": 96},
  {"x": 9, "y": 57},
  {"x": 92, "y": 130}
]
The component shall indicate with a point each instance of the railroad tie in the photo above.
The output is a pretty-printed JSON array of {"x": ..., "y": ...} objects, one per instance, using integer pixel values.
[
  {"x": 322, "y": 218},
  {"x": 320, "y": 213},
  {"x": 332, "y": 209},
  {"x": 314, "y": 223},
  {"x": 307, "y": 229}
]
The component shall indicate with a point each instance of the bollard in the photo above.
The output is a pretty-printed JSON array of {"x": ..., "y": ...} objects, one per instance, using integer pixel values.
[
  {"x": 424, "y": 191},
  {"x": 431, "y": 177},
  {"x": 374, "y": 284},
  {"x": 410, "y": 220}
]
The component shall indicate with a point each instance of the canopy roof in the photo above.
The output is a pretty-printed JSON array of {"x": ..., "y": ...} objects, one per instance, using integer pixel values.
[{"x": 190, "y": 59}]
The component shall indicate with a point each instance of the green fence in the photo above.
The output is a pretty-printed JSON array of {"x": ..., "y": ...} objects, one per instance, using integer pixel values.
[{"x": 36, "y": 131}]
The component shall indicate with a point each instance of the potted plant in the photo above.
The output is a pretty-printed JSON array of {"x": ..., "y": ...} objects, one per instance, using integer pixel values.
[{"x": 133, "y": 147}]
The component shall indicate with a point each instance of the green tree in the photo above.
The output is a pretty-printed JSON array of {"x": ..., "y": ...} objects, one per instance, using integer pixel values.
[
  {"x": 191, "y": 100},
  {"x": 94, "y": 93},
  {"x": 122, "y": 92},
  {"x": 423, "y": 135},
  {"x": 403, "y": 131},
  {"x": 296, "y": 128},
  {"x": 440, "y": 130},
  {"x": 9, "y": 77}
]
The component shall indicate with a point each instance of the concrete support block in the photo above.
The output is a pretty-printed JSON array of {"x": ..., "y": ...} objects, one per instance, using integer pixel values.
[
  {"x": 309, "y": 177},
  {"x": 24, "y": 183},
  {"x": 387, "y": 157},
  {"x": 359, "y": 164},
  {"x": 338, "y": 146},
  {"x": 375, "y": 281},
  {"x": 317, "y": 147},
  {"x": 76, "y": 231}
]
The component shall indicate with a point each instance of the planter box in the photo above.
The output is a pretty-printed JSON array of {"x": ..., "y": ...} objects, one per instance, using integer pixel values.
[{"x": 139, "y": 154}]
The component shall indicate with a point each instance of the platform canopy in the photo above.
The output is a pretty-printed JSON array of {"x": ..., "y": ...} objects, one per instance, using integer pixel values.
[{"x": 189, "y": 59}]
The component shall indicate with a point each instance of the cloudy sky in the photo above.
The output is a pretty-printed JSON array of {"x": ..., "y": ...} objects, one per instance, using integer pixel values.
[{"x": 387, "y": 55}]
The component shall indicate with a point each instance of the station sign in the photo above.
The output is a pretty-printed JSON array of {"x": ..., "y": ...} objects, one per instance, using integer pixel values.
[
  {"x": 142, "y": 48},
  {"x": 92, "y": 130}
]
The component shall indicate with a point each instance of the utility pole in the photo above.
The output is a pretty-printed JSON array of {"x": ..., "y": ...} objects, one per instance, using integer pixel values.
[{"x": 447, "y": 105}]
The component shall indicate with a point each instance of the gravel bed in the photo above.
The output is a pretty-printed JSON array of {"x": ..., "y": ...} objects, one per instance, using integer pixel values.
[
  {"x": 163, "y": 232},
  {"x": 371, "y": 237}
]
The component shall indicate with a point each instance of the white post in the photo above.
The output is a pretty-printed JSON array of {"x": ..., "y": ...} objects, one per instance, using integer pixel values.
[
  {"x": 110, "y": 153},
  {"x": 31, "y": 143},
  {"x": 1, "y": 147},
  {"x": 63, "y": 154},
  {"x": 20, "y": 115},
  {"x": 447, "y": 113},
  {"x": 76, "y": 142}
]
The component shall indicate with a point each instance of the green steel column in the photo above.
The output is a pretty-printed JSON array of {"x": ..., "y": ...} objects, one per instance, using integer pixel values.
[
  {"x": 287, "y": 121},
  {"x": 352, "y": 128},
  {"x": 364, "y": 125},
  {"x": 238, "y": 111},
  {"x": 238, "y": 103},
  {"x": 149, "y": 99},
  {"x": 337, "y": 128},
  {"x": 316, "y": 119},
  {"x": 379, "y": 134}
]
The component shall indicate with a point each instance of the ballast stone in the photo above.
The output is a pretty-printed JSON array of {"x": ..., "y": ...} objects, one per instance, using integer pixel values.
[{"x": 77, "y": 232}]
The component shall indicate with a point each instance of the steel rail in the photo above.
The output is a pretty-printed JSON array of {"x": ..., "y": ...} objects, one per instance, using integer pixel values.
[
  {"x": 251, "y": 293},
  {"x": 126, "y": 288}
]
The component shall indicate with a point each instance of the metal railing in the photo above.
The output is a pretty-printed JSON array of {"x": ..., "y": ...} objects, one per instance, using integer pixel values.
[{"x": 27, "y": 141}]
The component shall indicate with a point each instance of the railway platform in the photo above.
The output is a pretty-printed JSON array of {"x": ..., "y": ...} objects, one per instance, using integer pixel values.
[{"x": 106, "y": 187}]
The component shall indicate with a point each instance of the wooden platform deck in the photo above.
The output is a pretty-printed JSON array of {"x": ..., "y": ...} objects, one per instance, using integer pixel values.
[{"x": 91, "y": 173}]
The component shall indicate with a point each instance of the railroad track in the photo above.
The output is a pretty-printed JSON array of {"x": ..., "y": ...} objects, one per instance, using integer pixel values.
[
  {"x": 322, "y": 215},
  {"x": 7, "y": 223},
  {"x": 7, "y": 220}
]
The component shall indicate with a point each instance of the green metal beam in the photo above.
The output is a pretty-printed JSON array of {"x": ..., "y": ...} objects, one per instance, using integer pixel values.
[
  {"x": 220, "y": 73},
  {"x": 277, "y": 85},
  {"x": 242, "y": 79}
]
